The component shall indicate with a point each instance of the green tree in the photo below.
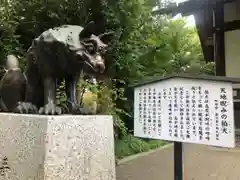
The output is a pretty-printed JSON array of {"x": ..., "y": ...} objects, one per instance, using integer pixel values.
[{"x": 143, "y": 45}]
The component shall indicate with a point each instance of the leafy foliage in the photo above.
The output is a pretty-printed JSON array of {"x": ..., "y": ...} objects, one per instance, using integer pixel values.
[
  {"x": 130, "y": 145},
  {"x": 143, "y": 46}
]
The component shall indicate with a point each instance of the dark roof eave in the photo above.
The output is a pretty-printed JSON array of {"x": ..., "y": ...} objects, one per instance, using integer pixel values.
[
  {"x": 187, "y": 7},
  {"x": 201, "y": 77}
]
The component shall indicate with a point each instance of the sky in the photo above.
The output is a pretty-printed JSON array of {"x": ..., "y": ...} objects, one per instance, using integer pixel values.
[{"x": 190, "y": 19}]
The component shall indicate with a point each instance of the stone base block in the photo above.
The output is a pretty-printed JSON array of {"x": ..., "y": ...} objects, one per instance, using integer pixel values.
[{"x": 34, "y": 147}]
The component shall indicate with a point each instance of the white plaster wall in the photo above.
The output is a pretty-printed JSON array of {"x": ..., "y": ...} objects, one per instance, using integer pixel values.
[
  {"x": 232, "y": 41},
  {"x": 232, "y": 11},
  {"x": 232, "y": 53}
]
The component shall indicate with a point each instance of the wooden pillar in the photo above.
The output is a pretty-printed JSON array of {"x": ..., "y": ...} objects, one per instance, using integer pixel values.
[
  {"x": 204, "y": 22},
  {"x": 219, "y": 55}
]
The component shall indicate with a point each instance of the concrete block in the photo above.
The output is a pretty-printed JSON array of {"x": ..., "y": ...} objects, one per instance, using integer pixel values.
[{"x": 34, "y": 147}]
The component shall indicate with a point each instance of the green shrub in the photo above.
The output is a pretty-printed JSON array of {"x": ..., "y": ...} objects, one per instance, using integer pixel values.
[{"x": 130, "y": 145}]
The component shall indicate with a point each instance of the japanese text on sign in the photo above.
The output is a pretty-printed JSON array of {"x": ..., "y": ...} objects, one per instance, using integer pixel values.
[{"x": 185, "y": 111}]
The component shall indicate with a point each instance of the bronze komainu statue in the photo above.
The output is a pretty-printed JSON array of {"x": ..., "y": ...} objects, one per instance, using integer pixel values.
[{"x": 58, "y": 53}]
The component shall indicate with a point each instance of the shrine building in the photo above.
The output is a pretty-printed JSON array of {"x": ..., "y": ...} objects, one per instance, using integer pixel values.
[{"x": 218, "y": 25}]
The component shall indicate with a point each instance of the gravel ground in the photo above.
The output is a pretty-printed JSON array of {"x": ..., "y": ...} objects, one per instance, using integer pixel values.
[{"x": 200, "y": 163}]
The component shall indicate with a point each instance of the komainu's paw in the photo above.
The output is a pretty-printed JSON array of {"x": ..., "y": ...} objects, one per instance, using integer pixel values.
[
  {"x": 50, "y": 109},
  {"x": 26, "y": 108},
  {"x": 76, "y": 109}
]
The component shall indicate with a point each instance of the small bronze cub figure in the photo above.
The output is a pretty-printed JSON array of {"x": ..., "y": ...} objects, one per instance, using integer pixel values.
[{"x": 12, "y": 85}]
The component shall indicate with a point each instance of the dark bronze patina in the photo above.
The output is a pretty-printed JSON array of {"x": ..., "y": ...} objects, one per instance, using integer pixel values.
[
  {"x": 59, "y": 53},
  {"x": 12, "y": 85}
]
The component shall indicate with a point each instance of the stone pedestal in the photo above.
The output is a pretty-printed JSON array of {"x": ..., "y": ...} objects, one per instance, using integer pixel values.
[{"x": 34, "y": 147}]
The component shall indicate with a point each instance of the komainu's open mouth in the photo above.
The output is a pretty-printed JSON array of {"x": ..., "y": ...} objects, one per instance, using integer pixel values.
[
  {"x": 95, "y": 63},
  {"x": 91, "y": 66}
]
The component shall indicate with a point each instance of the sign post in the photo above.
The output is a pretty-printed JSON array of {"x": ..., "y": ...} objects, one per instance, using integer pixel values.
[
  {"x": 185, "y": 109},
  {"x": 178, "y": 165}
]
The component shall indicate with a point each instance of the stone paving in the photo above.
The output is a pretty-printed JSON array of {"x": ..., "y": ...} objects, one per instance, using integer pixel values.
[
  {"x": 154, "y": 166},
  {"x": 210, "y": 163},
  {"x": 200, "y": 163}
]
